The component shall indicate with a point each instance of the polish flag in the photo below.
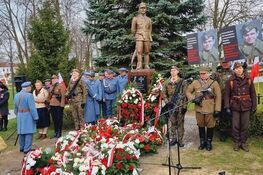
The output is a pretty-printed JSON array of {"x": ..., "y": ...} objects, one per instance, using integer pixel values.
[
  {"x": 61, "y": 81},
  {"x": 255, "y": 69}
]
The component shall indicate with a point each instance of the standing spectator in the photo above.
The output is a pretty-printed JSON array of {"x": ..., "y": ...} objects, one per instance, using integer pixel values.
[
  {"x": 122, "y": 79},
  {"x": 92, "y": 109},
  {"x": 48, "y": 85},
  {"x": 206, "y": 95},
  {"x": 4, "y": 96},
  {"x": 110, "y": 85},
  {"x": 102, "y": 101},
  {"x": 57, "y": 103},
  {"x": 76, "y": 94},
  {"x": 41, "y": 96},
  {"x": 27, "y": 116},
  {"x": 240, "y": 99}
]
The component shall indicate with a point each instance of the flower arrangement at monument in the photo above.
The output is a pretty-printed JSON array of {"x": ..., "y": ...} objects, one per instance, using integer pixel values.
[{"x": 100, "y": 149}]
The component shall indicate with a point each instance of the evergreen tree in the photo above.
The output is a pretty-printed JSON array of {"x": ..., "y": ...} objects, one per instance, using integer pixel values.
[
  {"x": 50, "y": 44},
  {"x": 110, "y": 22}
]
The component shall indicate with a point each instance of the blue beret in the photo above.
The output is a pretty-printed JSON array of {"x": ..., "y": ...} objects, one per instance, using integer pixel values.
[
  {"x": 26, "y": 84},
  {"x": 92, "y": 74},
  {"x": 123, "y": 69},
  {"x": 87, "y": 73},
  {"x": 101, "y": 74}
]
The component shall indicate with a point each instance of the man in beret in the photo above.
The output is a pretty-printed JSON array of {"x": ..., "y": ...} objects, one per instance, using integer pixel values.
[
  {"x": 102, "y": 101},
  {"x": 27, "y": 116},
  {"x": 110, "y": 85},
  {"x": 206, "y": 95},
  {"x": 57, "y": 103},
  {"x": 209, "y": 54},
  {"x": 122, "y": 79},
  {"x": 77, "y": 94},
  {"x": 252, "y": 47},
  {"x": 241, "y": 102},
  {"x": 94, "y": 96},
  {"x": 174, "y": 95}
]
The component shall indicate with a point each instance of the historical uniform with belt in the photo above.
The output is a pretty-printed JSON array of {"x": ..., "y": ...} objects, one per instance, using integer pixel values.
[
  {"x": 78, "y": 91},
  {"x": 57, "y": 103},
  {"x": 174, "y": 94},
  {"x": 27, "y": 116},
  {"x": 122, "y": 79},
  {"x": 206, "y": 95},
  {"x": 240, "y": 99}
]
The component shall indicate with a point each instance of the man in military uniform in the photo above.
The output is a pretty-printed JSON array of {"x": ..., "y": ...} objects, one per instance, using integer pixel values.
[
  {"x": 206, "y": 95},
  {"x": 27, "y": 116},
  {"x": 110, "y": 85},
  {"x": 252, "y": 47},
  {"x": 48, "y": 85},
  {"x": 222, "y": 74},
  {"x": 174, "y": 95},
  {"x": 209, "y": 54},
  {"x": 57, "y": 103},
  {"x": 102, "y": 101},
  {"x": 77, "y": 94},
  {"x": 122, "y": 79},
  {"x": 240, "y": 99},
  {"x": 142, "y": 29}
]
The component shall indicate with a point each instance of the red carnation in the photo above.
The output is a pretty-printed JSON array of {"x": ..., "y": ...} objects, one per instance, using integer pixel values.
[
  {"x": 131, "y": 167},
  {"x": 118, "y": 157},
  {"x": 124, "y": 105},
  {"x": 127, "y": 156},
  {"x": 104, "y": 161},
  {"x": 152, "y": 138},
  {"x": 119, "y": 165},
  {"x": 147, "y": 147},
  {"x": 134, "y": 157}
]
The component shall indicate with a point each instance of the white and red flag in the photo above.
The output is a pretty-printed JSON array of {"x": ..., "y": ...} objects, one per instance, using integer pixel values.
[
  {"x": 255, "y": 69},
  {"x": 61, "y": 81}
]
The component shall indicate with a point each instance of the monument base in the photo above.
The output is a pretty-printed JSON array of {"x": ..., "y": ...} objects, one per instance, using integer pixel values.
[{"x": 141, "y": 78}]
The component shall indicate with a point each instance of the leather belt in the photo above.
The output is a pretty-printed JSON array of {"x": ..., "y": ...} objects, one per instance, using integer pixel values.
[
  {"x": 23, "y": 110},
  {"x": 242, "y": 97}
]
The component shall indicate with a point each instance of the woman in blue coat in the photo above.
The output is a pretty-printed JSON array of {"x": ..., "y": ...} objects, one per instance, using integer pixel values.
[
  {"x": 27, "y": 116},
  {"x": 4, "y": 96},
  {"x": 92, "y": 108}
]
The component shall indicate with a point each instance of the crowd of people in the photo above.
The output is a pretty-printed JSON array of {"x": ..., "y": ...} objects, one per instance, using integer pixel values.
[{"x": 226, "y": 96}]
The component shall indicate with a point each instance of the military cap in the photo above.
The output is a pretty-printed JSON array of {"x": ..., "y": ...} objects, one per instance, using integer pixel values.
[
  {"x": 204, "y": 69},
  {"x": 91, "y": 74},
  {"x": 47, "y": 80},
  {"x": 237, "y": 65},
  {"x": 75, "y": 70},
  {"x": 207, "y": 35},
  {"x": 175, "y": 67},
  {"x": 123, "y": 69},
  {"x": 110, "y": 71},
  {"x": 247, "y": 27},
  {"x": 26, "y": 84},
  {"x": 54, "y": 76},
  {"x": 101, "y": 74}
]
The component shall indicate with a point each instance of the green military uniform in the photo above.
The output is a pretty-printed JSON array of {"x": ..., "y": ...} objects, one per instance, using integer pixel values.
[
  {"x": 221, "y": 76},
  {"x": 211, "y": 103},
  {"x": 252, "y": 51},
  {"x": 210, "y": 56},
  {"x": 177, "y": 120},
  {"x": 77, "y": 103}
]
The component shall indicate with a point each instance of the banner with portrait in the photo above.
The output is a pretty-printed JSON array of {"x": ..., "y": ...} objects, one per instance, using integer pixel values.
[{"x": 192, "y": 49}]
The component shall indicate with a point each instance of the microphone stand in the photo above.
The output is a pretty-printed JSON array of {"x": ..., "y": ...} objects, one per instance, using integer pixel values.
[{"x": 178, "y": 166}]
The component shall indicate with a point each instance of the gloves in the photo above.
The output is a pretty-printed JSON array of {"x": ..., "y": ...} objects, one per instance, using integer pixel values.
[
  {"x": 228, "y": 111},
  {"x": 253, "y": 111},
  {"x": 170, "y": 105},
  {"x": 198, "y": 100},
  {"x": 183, "y": 111},
  {"x": 217, "y": 114},
  {"x": 83, "y": 105}
]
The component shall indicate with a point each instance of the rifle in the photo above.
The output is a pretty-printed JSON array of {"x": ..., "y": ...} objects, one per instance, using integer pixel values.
[{"x": 71, "y": 93}]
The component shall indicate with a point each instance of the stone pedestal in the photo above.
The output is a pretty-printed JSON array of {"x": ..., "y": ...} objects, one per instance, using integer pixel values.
[{"x": 142, "y": 78}]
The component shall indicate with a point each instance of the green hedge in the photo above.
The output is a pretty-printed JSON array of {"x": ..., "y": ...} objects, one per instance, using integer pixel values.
[{"x": 256, "y": 124}]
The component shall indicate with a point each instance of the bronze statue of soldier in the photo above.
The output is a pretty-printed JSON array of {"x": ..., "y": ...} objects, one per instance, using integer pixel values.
[{"x": 142, "y": 30}]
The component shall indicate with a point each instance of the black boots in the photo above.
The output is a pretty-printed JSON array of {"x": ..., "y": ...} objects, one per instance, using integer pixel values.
[
  {"x": 210, "y": 133},
  {"x": 206, "y": 143},
  {"x": 202, "y": 138},
  {"x": 1, "y": 124}
]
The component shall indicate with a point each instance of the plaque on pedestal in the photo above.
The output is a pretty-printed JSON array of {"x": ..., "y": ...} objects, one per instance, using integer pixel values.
[{"x": 142, "y": 78}]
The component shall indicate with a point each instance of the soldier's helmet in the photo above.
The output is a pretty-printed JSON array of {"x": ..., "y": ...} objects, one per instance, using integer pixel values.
[{"x": 248, "y": 27}]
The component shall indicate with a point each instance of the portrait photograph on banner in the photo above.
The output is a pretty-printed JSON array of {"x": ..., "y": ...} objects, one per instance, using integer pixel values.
[
  {"x": 192, "y": 49},
  {"x": 208, "y": 47},
  {"x": 250, "y": 41}
]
